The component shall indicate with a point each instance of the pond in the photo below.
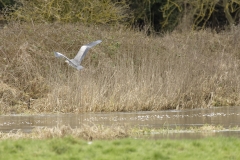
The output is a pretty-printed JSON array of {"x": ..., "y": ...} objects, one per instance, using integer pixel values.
[{"x": 226, "y": 117}]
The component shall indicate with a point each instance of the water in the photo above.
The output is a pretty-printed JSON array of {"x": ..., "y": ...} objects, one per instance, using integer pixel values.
[{"x": 227, "y": 117}]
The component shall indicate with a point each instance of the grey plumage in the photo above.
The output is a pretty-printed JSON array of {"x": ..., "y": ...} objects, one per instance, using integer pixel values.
[{"x": 76, "y": 61}]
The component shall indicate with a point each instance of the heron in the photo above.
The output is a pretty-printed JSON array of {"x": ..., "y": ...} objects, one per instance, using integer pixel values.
[{"x": 76, "y": 61}]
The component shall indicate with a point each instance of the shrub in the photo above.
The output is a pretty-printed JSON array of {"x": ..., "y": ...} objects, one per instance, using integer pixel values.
[
  {"x": 162, "y": 15},
  {"x": 86, "y": 11}
]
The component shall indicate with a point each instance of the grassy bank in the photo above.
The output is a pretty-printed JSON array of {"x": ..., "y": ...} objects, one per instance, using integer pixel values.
[
  {"x": 73, "y": 148},
  {"x": 128, "y": 71}
]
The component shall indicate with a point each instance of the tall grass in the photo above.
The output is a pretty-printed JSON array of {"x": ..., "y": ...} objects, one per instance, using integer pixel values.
[{"x": 128, "y": 71}]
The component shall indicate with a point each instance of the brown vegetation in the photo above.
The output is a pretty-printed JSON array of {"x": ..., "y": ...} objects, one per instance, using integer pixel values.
[
  {"x": 103, "y": 132},
  {"x": 128, "y": 71},
  {"x": 85, "y": 132}
]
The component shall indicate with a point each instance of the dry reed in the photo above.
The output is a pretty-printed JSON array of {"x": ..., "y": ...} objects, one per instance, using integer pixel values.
[
  {"x": 85, "y": 132},
  {"x": 101, "y": 132},
  {"x": 128, "y": 71}
]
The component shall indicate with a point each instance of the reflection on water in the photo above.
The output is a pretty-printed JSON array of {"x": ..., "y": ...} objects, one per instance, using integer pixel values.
[{"x": 227, "y": 117}]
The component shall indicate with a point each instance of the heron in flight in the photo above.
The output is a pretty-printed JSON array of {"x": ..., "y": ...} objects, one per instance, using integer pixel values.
[{"x": 76, "y": 61}]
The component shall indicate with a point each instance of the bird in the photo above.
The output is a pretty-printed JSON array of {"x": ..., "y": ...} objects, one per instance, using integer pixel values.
[{"x": 76, "y": 61}]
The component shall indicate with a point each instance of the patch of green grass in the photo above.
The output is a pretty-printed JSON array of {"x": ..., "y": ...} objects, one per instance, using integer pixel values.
[{"x": 73, "y": 148}]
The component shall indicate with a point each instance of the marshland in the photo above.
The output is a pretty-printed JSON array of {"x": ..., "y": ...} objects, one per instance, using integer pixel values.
[
  {"x": 128, "y": 71},
  {"x": 144, "y": 64},
  {"x": 131, "y": 70}
]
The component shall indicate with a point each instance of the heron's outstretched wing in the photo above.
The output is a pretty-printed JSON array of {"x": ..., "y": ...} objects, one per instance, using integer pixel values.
[
  {"x": 60, "y": 55},
  {"x": 84, "y": 49}
]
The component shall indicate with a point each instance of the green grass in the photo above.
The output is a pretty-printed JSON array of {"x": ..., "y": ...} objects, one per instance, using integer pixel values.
[{"x": 73, "y": 148}]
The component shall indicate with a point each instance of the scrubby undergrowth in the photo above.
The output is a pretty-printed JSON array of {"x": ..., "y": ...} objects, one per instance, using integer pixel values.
[
  {"x": 85, "y": 11},
  {"x": 128, "y": 71}
]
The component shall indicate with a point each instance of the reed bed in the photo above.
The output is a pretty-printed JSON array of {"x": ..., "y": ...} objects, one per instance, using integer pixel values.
[{"x": 128, "y": 71}]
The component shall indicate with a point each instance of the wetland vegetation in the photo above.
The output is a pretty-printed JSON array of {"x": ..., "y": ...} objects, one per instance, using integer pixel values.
[
  {"x": 131, "y": 70},
  {"x": 139, "y": 66},
  {"x": 128, "y": 71},
  {"x": 115, "y": 142}
]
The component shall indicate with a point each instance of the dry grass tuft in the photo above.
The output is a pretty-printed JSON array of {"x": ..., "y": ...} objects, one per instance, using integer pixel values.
[
  {"x": 128, "y": 71},
  {"x": 101, "y": 132},
  {"x": 85, "y": 132}
]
